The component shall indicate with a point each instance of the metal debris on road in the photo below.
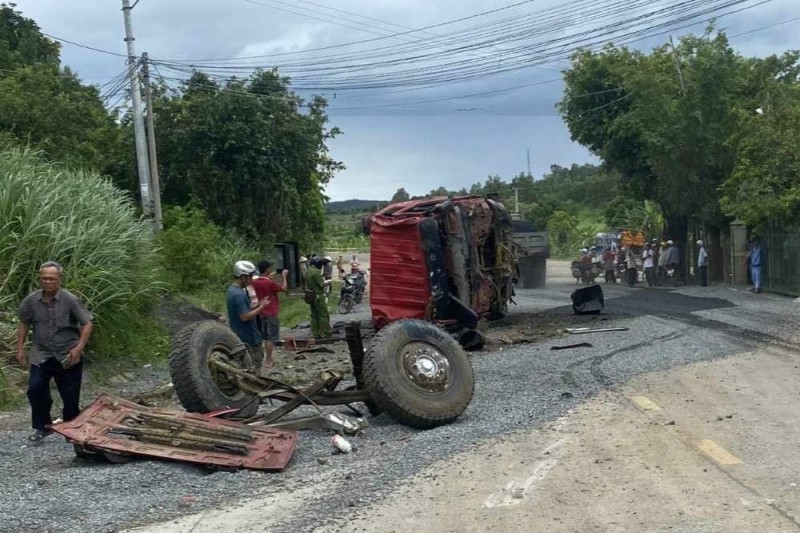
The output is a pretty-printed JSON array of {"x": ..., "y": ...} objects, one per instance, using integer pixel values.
[
  {"x": 568, "y": 346},
  {"x": 118, "y": 429},
  {"x": 337, "y": 422},
  {"x": 581, "y": 331}
]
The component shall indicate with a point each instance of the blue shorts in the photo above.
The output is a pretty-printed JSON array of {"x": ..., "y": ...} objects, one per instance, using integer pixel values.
[{"x": 270, "y": 328}]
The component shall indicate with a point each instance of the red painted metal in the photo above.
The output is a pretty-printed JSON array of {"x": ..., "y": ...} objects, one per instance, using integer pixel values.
[
  {"x": 97, "y": 427},
  {"x": 399, "y": 286}
]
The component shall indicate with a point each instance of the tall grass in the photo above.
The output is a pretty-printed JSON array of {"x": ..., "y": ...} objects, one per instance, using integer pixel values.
[{"x": 82, "y": 221}]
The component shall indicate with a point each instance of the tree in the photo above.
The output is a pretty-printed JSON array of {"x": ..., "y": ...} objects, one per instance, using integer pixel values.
[
  {"x": 669, "y": 142},
  {"x": 400, "y": 196},
  {"x": 250, "y": 152},
  {"x": 764, "y": 186},
  {"x": 47, "y": 106}
]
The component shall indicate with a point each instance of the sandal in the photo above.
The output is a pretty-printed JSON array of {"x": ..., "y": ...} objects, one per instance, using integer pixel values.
[{"x": 37, "y": 437}]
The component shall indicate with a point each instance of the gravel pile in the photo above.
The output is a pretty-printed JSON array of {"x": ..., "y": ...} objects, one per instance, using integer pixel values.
[{"x": 47, "y": 489}]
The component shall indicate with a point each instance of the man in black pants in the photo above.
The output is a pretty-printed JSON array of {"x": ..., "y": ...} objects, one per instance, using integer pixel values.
[{"x": 61, "y": 328}]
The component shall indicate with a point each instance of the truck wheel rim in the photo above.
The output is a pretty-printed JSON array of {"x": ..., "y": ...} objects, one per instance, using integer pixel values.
[
  {"x": 426, "y": 367},
  {"x": 226, "y": 384}
]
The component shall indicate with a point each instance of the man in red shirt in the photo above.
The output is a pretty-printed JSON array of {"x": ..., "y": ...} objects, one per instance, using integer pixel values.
[{"x": 265, "y": 287}]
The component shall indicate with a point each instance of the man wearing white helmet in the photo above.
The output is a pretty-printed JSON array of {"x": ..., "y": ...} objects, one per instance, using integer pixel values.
[
  {"x": 702, "y": 264},
  {"x": 241, "y": 314}
]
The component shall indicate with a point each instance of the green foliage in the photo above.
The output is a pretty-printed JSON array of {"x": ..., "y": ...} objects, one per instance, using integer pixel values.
[
  {"x": 251, "y": 153},
  {"x": 568, "y": 233},
  {"x": 353, "y": 206},
  {"x": 82, "y": 221},
  {"x": 45, "y": 105},
  {"x": 343, "y": 232},
  {"x": 765, "y": 184},
  {"x": 187, "y": 245},
  {"x": 625, "y": 212},
  {"x": 680, "y": 144},
  {"x": 400, "y": 196}
]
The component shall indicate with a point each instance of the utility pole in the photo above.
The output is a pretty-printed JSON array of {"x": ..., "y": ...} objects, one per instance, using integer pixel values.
[
  {"x": 138, "y": 121},
  {"x": 516, "y": 199},
  {"x": 151, "y": 144},
  {"x": 678, "y": 66},
  {"x": 529, "y": 161}
]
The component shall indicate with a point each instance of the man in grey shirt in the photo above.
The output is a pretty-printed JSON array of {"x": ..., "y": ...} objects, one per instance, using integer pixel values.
[{"x": 61, "y": 328}]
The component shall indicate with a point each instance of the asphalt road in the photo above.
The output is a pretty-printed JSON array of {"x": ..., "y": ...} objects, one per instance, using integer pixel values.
[{"x": 519, "y": 388}]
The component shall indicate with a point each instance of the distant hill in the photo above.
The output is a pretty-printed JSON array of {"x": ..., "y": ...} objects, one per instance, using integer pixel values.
[{"x": 352, "y": 206}]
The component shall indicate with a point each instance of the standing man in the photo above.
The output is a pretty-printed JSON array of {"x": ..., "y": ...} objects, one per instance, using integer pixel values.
[
  {"x": 649, "y": 265},
  {"x": 315, "y": 287},
  {"x": 340, "y": 267},
  {"x": 61, "y": 328},
  {"x": 661, "y": 273},
  {"x": 702, "y": 263},
  {"x": 303, "y": 262},
  {"x": 265, "y": 287},
  {"x": 241, "y": 314},
  {"x": 327, "y": 275},
  {"x": 754, "y": 259},
  {"x": 354, "y": 265}
]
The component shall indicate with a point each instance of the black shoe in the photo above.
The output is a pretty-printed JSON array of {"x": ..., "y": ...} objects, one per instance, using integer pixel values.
[{"x": 37, "y": 437}]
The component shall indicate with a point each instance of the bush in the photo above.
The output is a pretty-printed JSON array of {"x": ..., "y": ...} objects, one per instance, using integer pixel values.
[
  {"x": 82, "y": 221},
  {"x": 186, "y": 244},
  {"x": 197, "y": 256}
]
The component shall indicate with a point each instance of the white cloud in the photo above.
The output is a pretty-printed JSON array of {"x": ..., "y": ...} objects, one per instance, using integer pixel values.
[{"x": 450, "y": 142}]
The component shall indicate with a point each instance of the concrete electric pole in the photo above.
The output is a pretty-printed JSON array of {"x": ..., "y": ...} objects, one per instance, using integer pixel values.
[
  {"x": 155, "y": 182},
  {"x": 138, "y": 121}
]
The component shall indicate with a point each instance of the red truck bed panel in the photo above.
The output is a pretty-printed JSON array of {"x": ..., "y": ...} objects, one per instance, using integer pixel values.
[{"x": 399, "y": 285}]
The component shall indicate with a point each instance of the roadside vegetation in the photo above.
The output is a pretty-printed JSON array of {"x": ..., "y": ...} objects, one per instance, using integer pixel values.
[{"x": 244, "y": 163}]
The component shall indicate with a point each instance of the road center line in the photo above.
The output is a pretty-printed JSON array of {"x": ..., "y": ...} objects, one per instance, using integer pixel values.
[
  {"x": 717, "y": 452},
  {"x": 644, "y": 404}
]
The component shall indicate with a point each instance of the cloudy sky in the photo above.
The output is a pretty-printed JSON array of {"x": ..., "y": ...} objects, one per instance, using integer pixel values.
[{"x": 428, "y": 93}]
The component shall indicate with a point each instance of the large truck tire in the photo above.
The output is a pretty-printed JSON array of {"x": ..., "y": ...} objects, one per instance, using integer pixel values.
[
  {"x": 532, "y": 272},
  {"x": 199, "y": 387},
  {"x": 418, "y": 374}
]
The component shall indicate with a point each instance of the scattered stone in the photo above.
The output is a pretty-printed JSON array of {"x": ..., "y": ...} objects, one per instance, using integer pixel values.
[
  {"x": 322, "y": 460},
  {"x": 670, "y": 423},
  {"x": 518, "y": 493},
  {"x": 567, "y": 395}
]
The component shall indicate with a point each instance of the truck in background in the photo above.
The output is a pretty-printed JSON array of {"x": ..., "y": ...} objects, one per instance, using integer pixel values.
[{"x": 532, "y": 251}]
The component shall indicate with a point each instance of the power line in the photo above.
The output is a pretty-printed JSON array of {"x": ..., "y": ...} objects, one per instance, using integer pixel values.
[
  {"x": 762, "y": 28},
  {"x": 86, "y": 46}
]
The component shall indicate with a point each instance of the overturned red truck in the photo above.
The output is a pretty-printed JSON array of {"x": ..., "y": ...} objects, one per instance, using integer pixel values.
[
  {"x": 449, "y": 261},
  {"x": 438, "y": 266}
]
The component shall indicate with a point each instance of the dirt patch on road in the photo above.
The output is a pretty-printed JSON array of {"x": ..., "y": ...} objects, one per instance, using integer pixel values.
[{"x": 706, "y": 447}]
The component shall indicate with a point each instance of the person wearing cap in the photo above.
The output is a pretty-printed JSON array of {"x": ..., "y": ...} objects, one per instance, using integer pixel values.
[
  {"x": 242, "y": 315},
  {"x": 303, "y": 262},
  {"x": 673, "y": 257},
  {"x": 661, "y": 273},
  {"x": 702, "y": 263},
  {"x": 649, "y": 265},
  {"x": 320, "y": 319},
  {"x": 61, "y": 328},
  {"x": 266, "y": 287},
  {"x": 340, "y": 267}
]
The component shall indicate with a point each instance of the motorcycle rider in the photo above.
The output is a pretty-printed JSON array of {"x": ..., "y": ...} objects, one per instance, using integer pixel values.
[{"x": 609, "y": 262}]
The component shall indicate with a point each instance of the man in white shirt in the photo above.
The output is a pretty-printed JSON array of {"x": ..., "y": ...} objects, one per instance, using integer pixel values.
[
  {"x": 649, "y": 266},
  {"x": 702, "y": 264}
]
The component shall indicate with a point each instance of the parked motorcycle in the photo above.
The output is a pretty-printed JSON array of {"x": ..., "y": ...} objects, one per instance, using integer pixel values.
[{"x": 352, "y": 291}]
